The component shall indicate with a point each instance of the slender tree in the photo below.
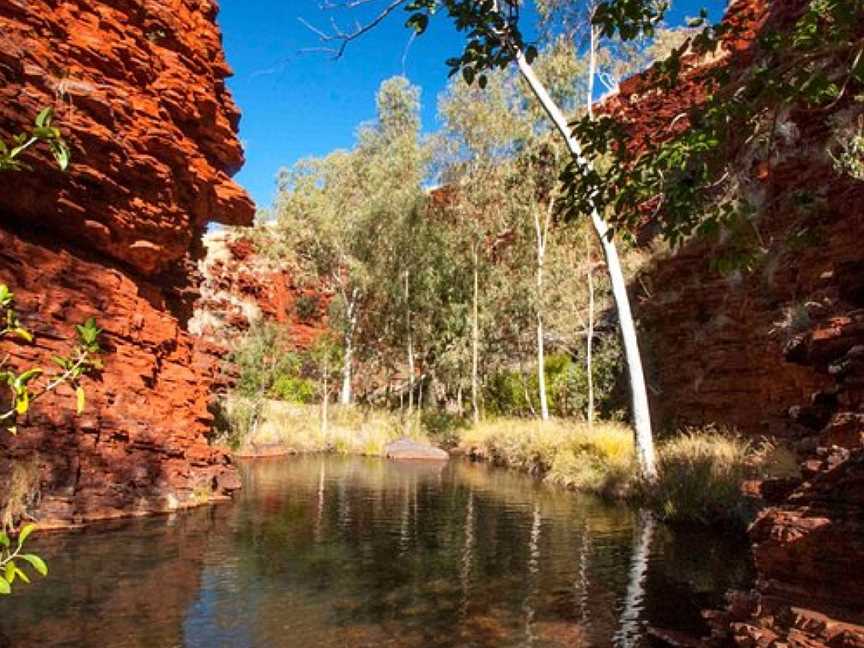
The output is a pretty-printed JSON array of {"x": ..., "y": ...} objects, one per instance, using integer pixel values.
[{"x": 494, "y": 40}]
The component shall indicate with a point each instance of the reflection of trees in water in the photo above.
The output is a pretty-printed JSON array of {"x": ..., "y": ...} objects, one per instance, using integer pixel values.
[
  {"x": 467, "y": 555},
  {"x": 528, "y": 607},
  {"x": 630, "y": 629},
  {"x": 582, "y": 578},
  {"x": 341, "y": 552}
]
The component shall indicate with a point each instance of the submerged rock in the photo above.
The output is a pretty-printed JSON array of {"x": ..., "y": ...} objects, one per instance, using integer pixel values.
[{"x": 406, "y": 449}]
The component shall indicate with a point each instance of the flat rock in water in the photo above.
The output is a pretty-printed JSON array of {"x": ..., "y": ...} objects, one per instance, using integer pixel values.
[{"x": 408, "y": 449}]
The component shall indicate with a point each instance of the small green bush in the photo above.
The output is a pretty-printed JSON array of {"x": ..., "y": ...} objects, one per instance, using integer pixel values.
[
  {"x": 293, "y": 389},
  {"x": 510, "y": 393},
  {"x": 307, "y": 307},
  {"x": 443, "y": 427}
]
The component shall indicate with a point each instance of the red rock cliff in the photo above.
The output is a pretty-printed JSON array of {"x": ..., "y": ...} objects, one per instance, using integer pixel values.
[
  {"x": 242, "y": 287},
  {"x": 138, "y": 88},
  {"x": 775, "y": 350}
]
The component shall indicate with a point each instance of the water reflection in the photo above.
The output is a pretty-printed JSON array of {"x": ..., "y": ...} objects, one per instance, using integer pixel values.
[{"x": 323, "y": 551}]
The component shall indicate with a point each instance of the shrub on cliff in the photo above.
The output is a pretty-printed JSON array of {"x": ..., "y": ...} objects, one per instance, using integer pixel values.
[{"x": 24, "y": 387}]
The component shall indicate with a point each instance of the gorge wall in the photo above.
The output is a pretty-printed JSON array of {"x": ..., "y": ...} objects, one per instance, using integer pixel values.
[
  {"x": 776, "y": 349},
  {"x": 139, "y": 92},
  {"x": 243, "y": 287}
]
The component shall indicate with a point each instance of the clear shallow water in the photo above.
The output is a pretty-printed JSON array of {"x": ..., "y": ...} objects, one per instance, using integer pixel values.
[{"x": 328, "y": 551}]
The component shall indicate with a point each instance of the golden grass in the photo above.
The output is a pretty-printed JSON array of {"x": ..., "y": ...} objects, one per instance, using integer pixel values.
[
  {"x": 350, "y": 430},
  {"x": 700, "y": 476},
  {"x": 700, "y": 470},
  {"x": 568, "y": 453}
]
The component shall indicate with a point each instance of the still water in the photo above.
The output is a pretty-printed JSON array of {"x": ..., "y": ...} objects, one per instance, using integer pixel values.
[{"x": 349, "y": 552}]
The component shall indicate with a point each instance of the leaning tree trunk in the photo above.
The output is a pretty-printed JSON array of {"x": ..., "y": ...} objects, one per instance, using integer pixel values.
[
  {"x": 589, "y": 347},
  {"x": 641, "y": 415}
]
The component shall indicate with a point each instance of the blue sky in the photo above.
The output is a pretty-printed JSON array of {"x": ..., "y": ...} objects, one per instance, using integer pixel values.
[{"x": 299, "y": 104}]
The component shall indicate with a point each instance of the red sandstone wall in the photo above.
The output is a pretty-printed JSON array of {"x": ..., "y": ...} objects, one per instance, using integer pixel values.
[
  {"x": 139, "y": 92},
  {"x": 775, "y": 350},
  {"x": 242, "y": 287}
]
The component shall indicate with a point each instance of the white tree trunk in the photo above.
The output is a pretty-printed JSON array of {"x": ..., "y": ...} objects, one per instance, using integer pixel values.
[
  {"x": 542, "y": 233},
  {"x": 345, "y": 392},
  {"x": 589, "y": 344},
  {"x": 325, "y": 402},
  {"x": 589, "y": 364},
  {"x": 475, "y": 341},
  {"x": 410, "y": 351},
  {"x": 641, "y": 415}
]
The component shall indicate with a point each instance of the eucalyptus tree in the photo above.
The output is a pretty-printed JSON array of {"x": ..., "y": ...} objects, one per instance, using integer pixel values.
[
  {"x": 338, "y": 211},
  {"x": 494, "y": 41},
  {"x": 480, "y": 132}
]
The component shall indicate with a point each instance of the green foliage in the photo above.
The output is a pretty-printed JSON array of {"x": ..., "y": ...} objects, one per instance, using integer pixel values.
[
  {"x": 262, "y": 357},
  {"x": 512, "y": 393},
  {"x": 492, "y": 34},
  {"x": 42, "y": 130},
  {"x": 307, "y": 307},
  {"x": 293, "y": 389},
  {"x": 21, "y": 385},
  {"x": 444, "y": 428},
  {"x": 690, "y": 181},
  {"x": 847, "y": 154},
  {"x": 12, "y": 559}
]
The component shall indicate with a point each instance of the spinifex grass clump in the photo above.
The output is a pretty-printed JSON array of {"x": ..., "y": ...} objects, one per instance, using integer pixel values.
[
  {"x": 598, "y": 459},
  {"x": 701, "y": 471},
  {"x": 700, "y": 477}
]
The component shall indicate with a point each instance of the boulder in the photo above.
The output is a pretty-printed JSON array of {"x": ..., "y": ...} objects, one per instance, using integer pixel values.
[{"x": 406, "y": 449}]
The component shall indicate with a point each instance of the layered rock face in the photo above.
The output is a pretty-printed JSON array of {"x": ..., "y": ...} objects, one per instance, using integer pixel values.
[
  {"x": 776, "y": 349},
  {"x": 139, "y": 92},
  {"x": 242, "y": 287}
]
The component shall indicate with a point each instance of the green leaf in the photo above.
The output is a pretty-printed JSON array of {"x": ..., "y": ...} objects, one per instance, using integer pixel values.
[
  {"x": 22, "y": 402},
  {"x": 80, "y": 398},
  {"x": 23, "y": 333},
  {"x": 25, "y": 533},
  {"x": 4, "y": 539},
  {"x": 10, "y": 572},
  {"x": 28, "y": 375},
  {"x": 20, "y": 573},
  {"x": 4, "y": 586},
  {"x": 43, "y": 119},
  {"x": 37, "y": 563}
]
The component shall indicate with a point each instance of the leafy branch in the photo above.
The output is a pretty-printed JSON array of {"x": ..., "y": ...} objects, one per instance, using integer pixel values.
[
  {"x": 42, "y": 131},
  {"x": 9, "y": 568},
  {"x": 80, "y": 362}
]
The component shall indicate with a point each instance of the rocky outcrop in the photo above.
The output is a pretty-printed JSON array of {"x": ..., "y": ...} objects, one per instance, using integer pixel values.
[
  {"x": 809, "y": 546},
  {"x": 139, "y": 88},
  {"x": 139, "y": 92},
  {"x": 774, "y": 348},
  {"x": 242, "y": 287}
]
